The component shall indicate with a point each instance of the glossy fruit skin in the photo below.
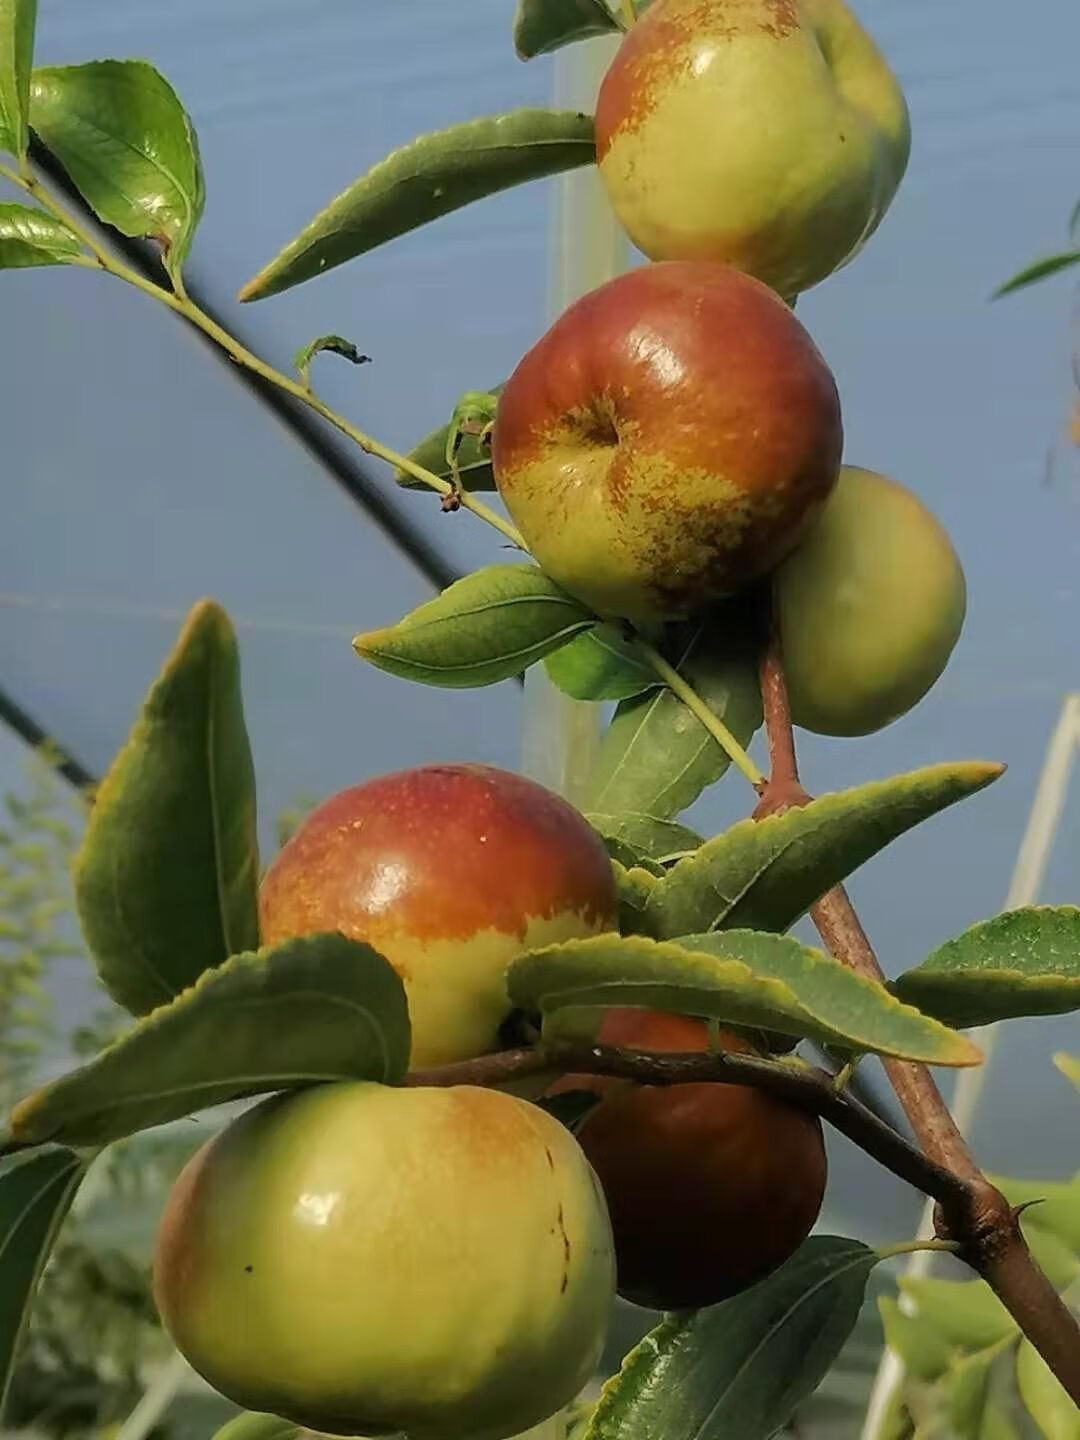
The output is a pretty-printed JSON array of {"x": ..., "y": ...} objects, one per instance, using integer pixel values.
[
  {"x": 361, "y": 1259},
  {"x": 450, "y": 871},
  {"x": 870, "y": 607},
  {"x": 669, "y": 439},
  {"x": 765, "y": 134},
  {"x": 710, "y": 1187}
]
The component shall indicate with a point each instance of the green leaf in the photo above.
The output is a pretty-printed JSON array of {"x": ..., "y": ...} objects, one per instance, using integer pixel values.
[
  {"x": 1024, "y": 962},
  {"x": 655, "y": 757},
  {"x": 600, "y": 665},
  {"x": 925, "y": 1351},
  {"x": 541, "y": 26},
  {"x": 740, "y": 1368},
  {"x": 17, "y": 19},
  {"x": 747, "y": 978},
  {"x": 1052, "y": 1205},
  {"x": 314, "y": 1009},
  {"x": 645, "y": 837},
  {"x": 30, "y": 237},
  {"x": 1055, "y": 1257},
  {"x": 487, "y": 627},
  {"x": 35, "y": 1193},
  {"x": 967, "y": 1389},
  {"x": 633, "y": 885},
  {"x": 166, "y": 878},
  {"x": 763, "y": 875},
  {"x": 1044, "y": 1396},
  {"x": 122, "y": 135},
  {"x": 428, "y": 178},
  {"x": 336, "y": 344},
  {"x": 1069, "y": 1066},
  {"x": 253, "y": 1426},
  {"x": 1039, "y": 271},
  {"x": 474, "y": 459},
  {"x": 966, "y": 1312}
]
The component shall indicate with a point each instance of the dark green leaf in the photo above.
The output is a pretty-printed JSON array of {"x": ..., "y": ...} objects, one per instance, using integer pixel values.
[
  {"x": 763, "y": 875},
  {"x": 1045, "y": 1398},
  {"x": 30, "y": 237},
  {"x": 1024, "y": 962},
  {"x": 426, "y": 179},
  {"x": 600, "y": 665},
  {"x": 487, "y": 627},
  {"x": 35, "y": 1193},
  {"x": 925, "y": 1351},
  {"x": 252, "y": 1426},
  {"x": 1039, "y": 271},
  {"x": 966, "y": 1312},
  {"x": 541, "y": 26},
  {"x": 17, "y": 18},
  {"x": 122, "y": 135},
  {"x": 656, "y": 757},
  {"x": 749, "y": 979},
  {"x": 314, "y": 1009},
  {"x": 336, "y": 344},
  {"x": 646, "y": 835},
  {"x": 740, "y": 1368},
  {"x": 633, "y": 885},
  {"x": 165, "y": 881},
  {"x": 474, "y": 459}
]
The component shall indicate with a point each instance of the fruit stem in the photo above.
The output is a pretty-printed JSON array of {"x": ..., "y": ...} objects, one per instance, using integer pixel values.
[
  {"x": 180, "y": 304},
  {"x": 696, "y": 705},
  {"x": 976, "y": 1215}
]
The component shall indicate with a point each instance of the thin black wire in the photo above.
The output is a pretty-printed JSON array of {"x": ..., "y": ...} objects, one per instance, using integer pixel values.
[
  {"x": 333, "y": 455},
  {"x": 27, "y": 728}
]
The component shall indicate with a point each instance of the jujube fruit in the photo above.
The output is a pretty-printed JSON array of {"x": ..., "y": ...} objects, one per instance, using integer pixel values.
[
  {"x": 670, "y": 438},
  {"x": 767, "y": 134},
  {"x": 450, "y": 871},
  {"x": 710, "y": 1187},
  {"x": 363, "y": 1259},
  {"x": 870, "y": 607}
]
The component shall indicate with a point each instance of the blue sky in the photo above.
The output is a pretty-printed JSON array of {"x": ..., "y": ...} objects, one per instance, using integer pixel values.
[{"x": 138, "y": 478}]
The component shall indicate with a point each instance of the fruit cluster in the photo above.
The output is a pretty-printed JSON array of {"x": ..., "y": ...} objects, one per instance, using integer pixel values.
[{"x": 673, "y": 439}]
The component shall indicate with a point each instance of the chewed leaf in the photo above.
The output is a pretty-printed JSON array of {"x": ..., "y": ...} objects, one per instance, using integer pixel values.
[
  {"x": 315, "y": 1009},
  {"x": 426, "y": 179},
  {"x": 334, "y": 345},
  {"x": 737, "y": 1370},
  {"x": 1023, "y": 962},
  {"x": 30, "y": 237},
  {"x": 749, "y": 979},
  {"x": 763, "y": 875},
  {"x": 122, "y": 135},
  {"x": 474, "y": 458},
  {"x": 487, "y": 627},
  {"x": 660, "y": 841},
  {"x": 165, "y": 880},
  {"x": 633, "y": 885}
]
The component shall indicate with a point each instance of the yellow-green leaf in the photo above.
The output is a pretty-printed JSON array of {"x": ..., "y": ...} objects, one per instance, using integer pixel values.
[
  {"x": 633, "y": 885},
  {"x": 35, "y": 1193},
  {"x": 600, "y": 665},
  {"x": 1052, "y": 1205},
  {"x": 1044, "y": 1397},
  {"x": 1069, "y": 1066},
  {"x": 925, "y": 1351},
  {"x": 967, "y": 1390},
  {"x": 749, "y": 979},
  {"x": 30, "y": 237},
  {"x": 487, "y": 627},
  {"x": 428, "y": 178},
  {"x": 966, "y": 1312},
  {"x": 1055, "y": 1257},
  {"x": 319, "y": 1008},
  {"x": 763, "y": 875},
  {"x": 254, "y": 1426},
  {"x": 1023, "y": 962},
  {"x": 165, "y": 881},
  {"x": 17, "y": 18}
]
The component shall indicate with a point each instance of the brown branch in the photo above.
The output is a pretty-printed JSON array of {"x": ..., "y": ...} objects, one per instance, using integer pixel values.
[
  {"x": 805, "y": 1086},
  {"x": 974, "y": 1213}
]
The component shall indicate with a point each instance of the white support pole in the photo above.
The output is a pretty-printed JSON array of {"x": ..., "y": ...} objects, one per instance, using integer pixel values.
[
  {"x": 588, "y": 247},
  {"x": 1032, "y": 860}
]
